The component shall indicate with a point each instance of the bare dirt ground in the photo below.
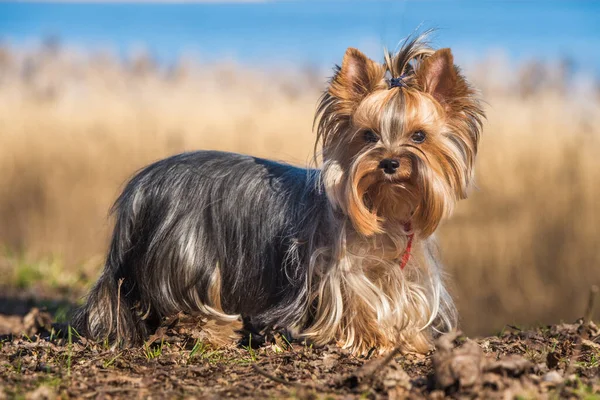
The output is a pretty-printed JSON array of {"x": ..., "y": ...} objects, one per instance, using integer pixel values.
[{"x": 41, "y": 359}]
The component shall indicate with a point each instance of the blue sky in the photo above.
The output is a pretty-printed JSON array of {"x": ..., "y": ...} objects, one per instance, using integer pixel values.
[{"x": 313, "y": 32}]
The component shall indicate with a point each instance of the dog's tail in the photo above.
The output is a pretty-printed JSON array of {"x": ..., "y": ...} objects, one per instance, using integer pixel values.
[
  {"x": 107, "y": 316},
  {"x": 111, "y": 312}
]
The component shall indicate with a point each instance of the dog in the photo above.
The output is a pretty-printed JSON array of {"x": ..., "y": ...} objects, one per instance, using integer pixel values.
[{"x": 343, "y": 254}]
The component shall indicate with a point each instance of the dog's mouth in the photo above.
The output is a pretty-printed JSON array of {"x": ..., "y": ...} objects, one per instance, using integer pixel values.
[
  {"x": 392, "y": 198},
  {"x": 381, "y": 200}
]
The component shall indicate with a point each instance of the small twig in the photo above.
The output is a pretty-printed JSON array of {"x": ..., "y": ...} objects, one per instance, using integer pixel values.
[
  {"x": 385, "y": 361},
  {"x": 280, "y": 380},
  {"x": 570, "y": 366},
  {"x": 579, "y": 345},
  {"x": 70, "y": 352},
  {"x": 119, "y": 307},
  {"x": 589, "y": 311},
  {"x": 272, "y": 377},
  {"x": 367, "y": 371},
  {"x": 108, "y": 390},
  {"x": 359, "y": 373}
]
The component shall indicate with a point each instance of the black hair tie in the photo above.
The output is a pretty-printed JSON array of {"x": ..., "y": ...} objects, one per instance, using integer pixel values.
[{"x": 398, "y": 82}]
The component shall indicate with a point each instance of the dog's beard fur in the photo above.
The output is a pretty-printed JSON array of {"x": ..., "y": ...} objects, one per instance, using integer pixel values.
[{"x": 315, "y": 252}]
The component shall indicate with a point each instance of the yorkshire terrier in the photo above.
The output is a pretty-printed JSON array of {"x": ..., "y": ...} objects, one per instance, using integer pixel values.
[{"x": 343, "y": 254}]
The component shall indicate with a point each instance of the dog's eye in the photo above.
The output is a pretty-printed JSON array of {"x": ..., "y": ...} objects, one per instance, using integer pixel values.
[
  {"x": 418, "y": 137},
  {"x": 370, "y": 137}
]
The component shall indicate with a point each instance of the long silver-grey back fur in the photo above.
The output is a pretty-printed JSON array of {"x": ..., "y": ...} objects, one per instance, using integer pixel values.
[{"x": 182, "y": 218}]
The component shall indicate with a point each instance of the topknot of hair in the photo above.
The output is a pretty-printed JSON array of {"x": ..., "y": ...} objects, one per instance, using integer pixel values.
[{"x": 404, "y": 64}]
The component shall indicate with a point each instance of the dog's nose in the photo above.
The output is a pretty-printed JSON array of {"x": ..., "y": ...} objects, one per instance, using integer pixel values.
[{"x": 389, "y": 165}]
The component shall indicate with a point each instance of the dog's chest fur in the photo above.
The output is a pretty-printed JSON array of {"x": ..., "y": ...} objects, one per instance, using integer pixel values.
[{"x": 363, "y": 298}]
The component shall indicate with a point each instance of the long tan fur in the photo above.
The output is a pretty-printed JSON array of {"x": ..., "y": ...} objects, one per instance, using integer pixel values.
[{"x": 363, "y": 298}]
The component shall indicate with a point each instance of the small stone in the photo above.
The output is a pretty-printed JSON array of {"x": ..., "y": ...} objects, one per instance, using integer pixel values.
[
  {"x": 552, "y": 377},
  {"x": 41, "y": 393},
  {"x": 486, "y": 346},
  {"x": 437, "y": 394}
]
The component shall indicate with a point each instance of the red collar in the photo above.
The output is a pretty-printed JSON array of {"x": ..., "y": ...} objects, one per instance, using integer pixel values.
[{"x": 406, "y": 255}]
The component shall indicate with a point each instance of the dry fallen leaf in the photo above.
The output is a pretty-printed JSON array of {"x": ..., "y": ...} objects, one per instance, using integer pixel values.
[
  {"x": 396, "y": 377},
  {"x": 36, "y": 321},
  {"x": 462, "y": 365},
  {"x": 589, "y": 344},
  {"x": 514, "y": 364}
]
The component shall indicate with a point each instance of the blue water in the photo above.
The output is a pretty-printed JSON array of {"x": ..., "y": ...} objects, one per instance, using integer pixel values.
[{"x": 313, "y": 32}]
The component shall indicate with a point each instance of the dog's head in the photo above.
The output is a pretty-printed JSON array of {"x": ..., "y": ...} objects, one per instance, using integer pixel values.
[{"x": 399, "y": 138}]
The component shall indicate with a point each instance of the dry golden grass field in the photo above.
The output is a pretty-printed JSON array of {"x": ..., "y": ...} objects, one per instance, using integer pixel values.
[{"x": 523, "y": 249}]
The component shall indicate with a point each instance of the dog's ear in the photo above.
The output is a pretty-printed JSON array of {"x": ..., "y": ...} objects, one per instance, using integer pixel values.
[
  {"x": 357, "y": 77},
  {"x": 438, "y": 76}
]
